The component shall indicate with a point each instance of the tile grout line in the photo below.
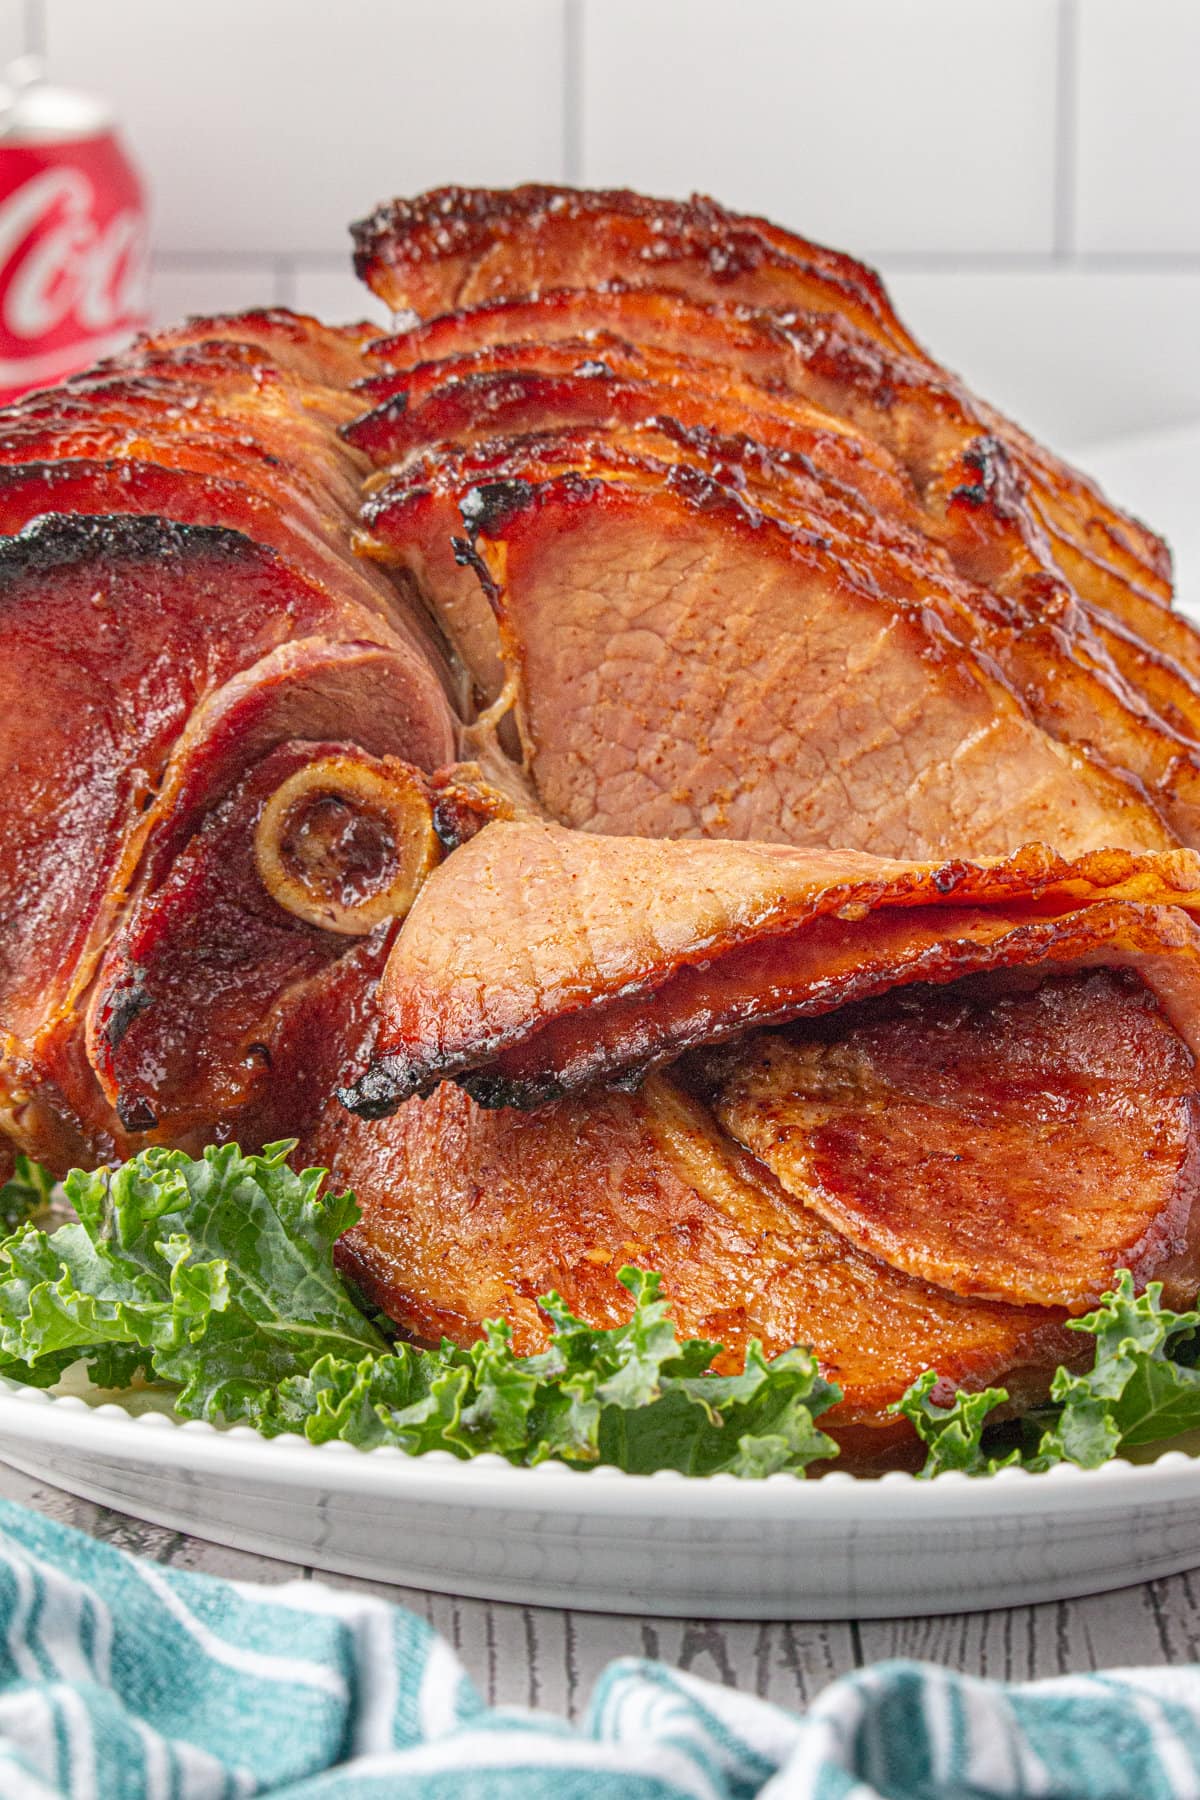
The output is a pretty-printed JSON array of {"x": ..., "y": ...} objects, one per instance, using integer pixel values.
[
  {"x": 284, "y": 281},
  {"x": 1037, "y": 262},
  {"x": 261, "y": 262},
  {"x": 35, "y": 28},
  {"x": 1066, "y": 127},
  {"x": 572, "y": 92}
]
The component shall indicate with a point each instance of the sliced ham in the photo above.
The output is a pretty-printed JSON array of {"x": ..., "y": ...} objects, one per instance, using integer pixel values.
[
  {"x": 812, "y": 925},
  {"x": 666, "y": 640},
  {"x": 539, "y": 960},
  {"x": 452, "y": 247},
  {"x": 182, "y": 599},
  {"x": 123, "y": 637},
  {"x": 998, "y": 500},
  {"x": 699, "y": 409},
  {"x": 470, "y": 1215},
  {"x": 1014, "y": 1142},
  {"x": 980, "y": 1077}
]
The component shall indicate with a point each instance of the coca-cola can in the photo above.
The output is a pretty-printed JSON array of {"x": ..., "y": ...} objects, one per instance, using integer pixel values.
[{"x": 73, "y": 235}]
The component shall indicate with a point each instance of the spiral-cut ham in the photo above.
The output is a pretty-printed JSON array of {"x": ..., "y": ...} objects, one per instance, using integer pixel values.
[
  {"x": 470, "y": 1214},
  {"x": 983, "y": 1104},
  {"x": 686, "y": 407},
  {"x": 813, "y": 923},
  {"x": 455, "y": 246},
  {"x": 751, "y": 366}
]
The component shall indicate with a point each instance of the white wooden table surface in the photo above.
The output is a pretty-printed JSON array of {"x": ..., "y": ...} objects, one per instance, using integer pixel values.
[{"x": 536, "y": 1656}]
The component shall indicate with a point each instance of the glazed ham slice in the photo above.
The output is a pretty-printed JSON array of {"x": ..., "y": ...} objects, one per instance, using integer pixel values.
[
  {"x": 469, "y": 1214},
  {"x": 961, "y": 477},
  {"x": 855, "y": 358},
  {"x": 183, "y": 599},
  {"x": 129, "y": 705},
  {"x": 701, "y": 409},
  {"x": 1054, "y": 655},
  {"x": 596, "y": 961},
  {"x": 327, "y": 354},
  {"x": 219, "y": 409},
  {"x": 949, "y": 1025},
  {"x": 924, "y": 1128},
  {"x": 666, "y": 640},
  {"x": 453, "y": 247},
  {"x": 604, "y": 381}
]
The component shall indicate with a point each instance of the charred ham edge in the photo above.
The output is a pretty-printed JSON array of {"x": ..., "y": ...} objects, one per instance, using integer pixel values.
[
  {"x": 599, "y": 959},
  {"x": 191, "y": 569},
  {"x": 522, "y": 387},
  {"x": 465, "y": 411},
  {"x": 115, "y": 485},
  {"x": 145, "y": 662},
  {"x": 453, "y": 246},
  {"x": 246, "y": 425},
  {"x": 935, "y": 430},
  {"x": 613, "y": 503},
  {"x": 331, "y": 354}
]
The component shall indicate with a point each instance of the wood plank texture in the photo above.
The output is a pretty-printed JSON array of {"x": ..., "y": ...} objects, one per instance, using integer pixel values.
[{"x": 537, "y": 1656}]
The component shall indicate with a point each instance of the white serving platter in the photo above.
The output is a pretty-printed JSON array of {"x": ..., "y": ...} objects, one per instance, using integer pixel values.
[{"x": 666, "y": 1544}]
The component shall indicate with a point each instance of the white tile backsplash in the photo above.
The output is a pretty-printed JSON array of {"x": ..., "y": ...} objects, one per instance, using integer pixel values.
[
  {"x": 1138, "y": 113},
  {"x": 335, "y": 294},
  {"x": 179, "y": 289},
  {"x": 875, "y": 124},
  {"x": 1075, "y": 355},
  {"x": 1026, "y": 170},
  {"x": 12, "y": 30},
  {"x": 265, "y": 125}
]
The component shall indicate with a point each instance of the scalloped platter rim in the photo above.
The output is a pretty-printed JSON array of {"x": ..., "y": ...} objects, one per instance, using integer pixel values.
[{"x": 665, "y": 1544}]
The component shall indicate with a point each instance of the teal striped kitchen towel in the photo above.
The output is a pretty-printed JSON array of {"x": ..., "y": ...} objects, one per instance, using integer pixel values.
[{"x": 122, "y": 1680}]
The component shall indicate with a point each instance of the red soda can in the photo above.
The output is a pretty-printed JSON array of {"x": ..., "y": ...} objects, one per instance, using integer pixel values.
[{"x": 73, "y": 237}]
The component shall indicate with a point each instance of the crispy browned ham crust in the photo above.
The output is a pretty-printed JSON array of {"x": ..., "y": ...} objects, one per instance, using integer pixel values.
[
  {"x": 795, "y": 325},
  {"x": 452, "y": 247},
  {"x": 693, "y": 407},
  {"x": 180, "y": 598},
  {"x": 666, "y": 638},
  {"x": 615, "y": 326}
]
